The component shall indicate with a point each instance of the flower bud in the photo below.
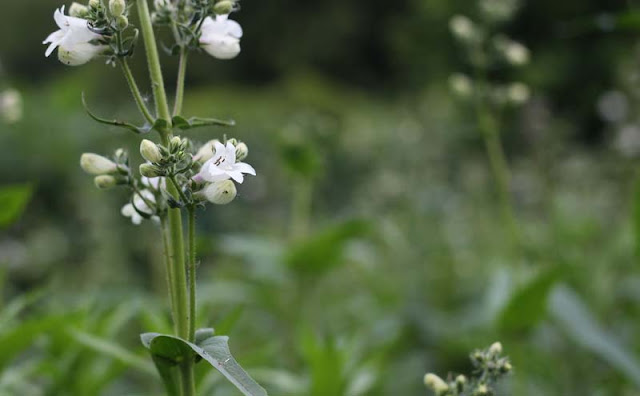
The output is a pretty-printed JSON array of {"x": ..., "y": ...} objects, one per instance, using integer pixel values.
[
  {"x": 150, "y": 151},
  {"x": 435, "y": 383},
  {"x": 105, "y": 182},
  {"x": 94, "y": 3},
  {"x": 220, "y": 193},
  {"x": 481, "y": 390},
  {"x": 78, "y": 10},
  {"x": 11, "y": 106},
  {"x": 122, "y": 22},
  {"x": 95, "y": 164},
  {"x": 518, "y": 93},
  {"x": 242, "y": 151},
  {"x": 233, "y": 141},
  {"x": 461, "y": 382},
  {"x": 463, "y": 28},
  {"x": 176, "y": 141},
  {"x": 223, "y": 7},
  {"x": 149, "y": 170},
  {"x": 461, "y": 85},
  {"x": 495, "y": 348},
  {"x": 205, "y": 153},
  {"x": 117, "y": 7}
]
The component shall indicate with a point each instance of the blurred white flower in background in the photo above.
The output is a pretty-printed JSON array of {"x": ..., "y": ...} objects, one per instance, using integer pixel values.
[
  {"x": 221, "y": 37},
  {"x": 73, "y": 40},
  {"x": 627, "y": 140},
  {"x": 11, "y": 106},
  {"x": 461, "y": 85},
  {"x": 463, "y": 29},
  {"x": 613, "y": 106},
  {"x": 518, "y": 93}
]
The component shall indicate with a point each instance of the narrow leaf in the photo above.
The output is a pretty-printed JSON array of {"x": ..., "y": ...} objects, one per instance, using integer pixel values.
[
  {"x": 121, "y": 124},
  {"x": 195, "y": 122},
  {"x": 572, "y": 314}
]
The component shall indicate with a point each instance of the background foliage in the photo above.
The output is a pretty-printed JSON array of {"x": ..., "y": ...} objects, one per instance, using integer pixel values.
[{"x": 369, "y": 249}]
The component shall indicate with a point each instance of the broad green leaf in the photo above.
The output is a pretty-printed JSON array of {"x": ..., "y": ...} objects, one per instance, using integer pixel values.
[
  {"x": 568, "y": 309},
  {"x": 112, "y": 350},
  {"x": 528, "y": 305},
  {"x": 323, "y": 250},
  {"x": 196, "y": 122},
  {"x": 13, "y": 200},
  {"x": 168, "y": 351}
]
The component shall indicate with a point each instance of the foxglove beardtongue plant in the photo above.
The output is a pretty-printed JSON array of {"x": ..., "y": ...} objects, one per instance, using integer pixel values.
[{"x": 175, "y": 174}]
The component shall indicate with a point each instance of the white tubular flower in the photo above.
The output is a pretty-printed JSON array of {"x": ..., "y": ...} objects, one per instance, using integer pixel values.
[
  {"x": 73, "y": 40},
  {"x": 140, "y": 202},
  {"x": 223, "y": 166},
  {"x": 221, "y": 37},
  {"x": 95, "y": 164}
]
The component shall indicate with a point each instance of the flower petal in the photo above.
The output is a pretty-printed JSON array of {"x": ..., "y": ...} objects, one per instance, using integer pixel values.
[
  {"x": 236, "y": 175},
  {"x": 234, "y": 29},
  {"x": 244, "y": 168},
  {"x": 231, "y": 153}
]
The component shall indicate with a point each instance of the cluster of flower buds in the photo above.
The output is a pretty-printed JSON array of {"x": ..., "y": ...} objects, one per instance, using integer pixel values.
[
  {"x": 206, "y": 174},
  {"x": 102, "y": 28},
  {"x": 486, "y": 49},
  {"x": 489, "y": 367}
]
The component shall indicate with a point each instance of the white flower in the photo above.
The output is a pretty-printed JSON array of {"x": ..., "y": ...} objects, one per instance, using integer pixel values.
[
  {"x": 221, "y": 37},
  {"x": 11, "y": 106},
  {"x": 220, "y": 193},
  {"x": 73, "y": 40},
  {"x": 95, "y": 164},
  {"x": 154, "y": 182},
  {"x": 223, "y": 166},
  {"x": 140, "y": 202}
]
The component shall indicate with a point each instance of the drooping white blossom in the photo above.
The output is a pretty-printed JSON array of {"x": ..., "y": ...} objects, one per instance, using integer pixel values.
[
  {"x": 154, "y": 182},
  {"x": 223, "y": 166},
  {"x": 221, "y": 37},
  {"x": 141, "y": 202},
  {"x": 220, "y": 193},
  {"x": 73, "y": 40}
]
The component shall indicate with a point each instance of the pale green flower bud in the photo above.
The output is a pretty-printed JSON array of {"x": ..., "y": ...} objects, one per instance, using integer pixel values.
[
  {"x": 481, "y": 390},
  {"x": 94, "y": 3},
  {"x": 11, "y": 106},
  {"x": 461, "y": 85},
  {"x": 242, "y": 151},
  {"x": 78, "y": 10},
  {"x": 223, "y": 7},
  {"x": 233, "y": 141},
  {"x": 150, "y": 151},
  {"x": 122, "y": 22},
  {"x": 495, "y": 348},
  {"x": 205, "y": 153},
  {"x": 148, "y": 170},
  {"x": 518, "y": 93},
  {"x": 435, "y": 383},
  {"x": 176, "y": 141},
  {"x": 461, "y": 382},
  {"x": 220, "y": 193},
  {"x": 117, "y": 7},
  {"x": 105, "y": 182},
  {"x": 95, "y": 164}
]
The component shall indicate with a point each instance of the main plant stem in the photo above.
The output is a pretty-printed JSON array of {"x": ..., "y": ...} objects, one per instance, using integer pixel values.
[
  {"x": 182, "y": 71},
  {"x": 192, "y": 271},
  {"x": 181, "y": 308}
]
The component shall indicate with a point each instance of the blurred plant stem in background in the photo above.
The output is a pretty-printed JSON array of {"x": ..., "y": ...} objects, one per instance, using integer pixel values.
[
  {"x": 490, "y": 130},
  {"x": 301, "y": 207}
]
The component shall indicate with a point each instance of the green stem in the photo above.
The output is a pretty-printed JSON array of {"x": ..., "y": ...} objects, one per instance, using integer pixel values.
[
  {"x": 136, "y": 91},
  {"x": 301, "y": 207},
  {"x": 184, "y": 198},
  {"x": 168, "y": 259},
  {"x": 175, "y": 216},
  {"x": 182, "y": 70},
  {"x": 153, "y": 59},
  {"x": 192, "y": 271}
]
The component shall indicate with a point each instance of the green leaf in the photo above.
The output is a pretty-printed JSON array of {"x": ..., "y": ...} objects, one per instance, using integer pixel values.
[
  {"x": 324, "y": 250},
  {"x": 196, "y": 122},
  {"x": 168, "y": 351},
  {"x": 528, "y": 305},
  {"x": 112, "y": 350},
  {"x": 568, "y": 309},
  {"x": 13, "y": 200},
  {"x": 121, "y": 124}
]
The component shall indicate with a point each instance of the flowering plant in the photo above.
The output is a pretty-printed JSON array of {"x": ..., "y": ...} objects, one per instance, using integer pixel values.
[{"x": 177, "y": 175}]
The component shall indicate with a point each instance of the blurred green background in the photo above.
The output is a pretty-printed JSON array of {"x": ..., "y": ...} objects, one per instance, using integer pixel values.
[{"x": 369, "y": 249}]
